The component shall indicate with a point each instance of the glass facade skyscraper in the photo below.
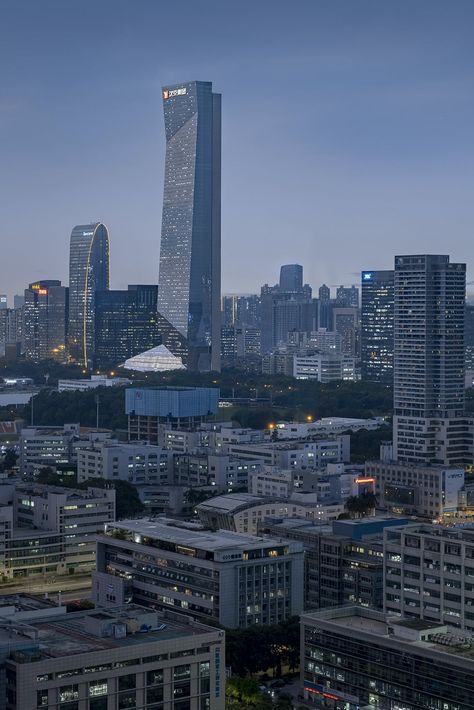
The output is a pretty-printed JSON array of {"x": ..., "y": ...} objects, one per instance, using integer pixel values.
[
  {"x": 89, "y": 272},
  {"x": 126, "y": 324},
  {"x": 189, "y": 278},
  {"x": 45, "y": 321},
  {"x": 376, "y": 324}
]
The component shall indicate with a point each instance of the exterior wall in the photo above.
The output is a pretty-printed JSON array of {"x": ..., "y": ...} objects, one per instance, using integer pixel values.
[{"x": 135, "y": 463}]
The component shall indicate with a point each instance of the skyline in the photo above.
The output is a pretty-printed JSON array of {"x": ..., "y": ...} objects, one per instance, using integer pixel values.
[{"x": 384, "y": 130}]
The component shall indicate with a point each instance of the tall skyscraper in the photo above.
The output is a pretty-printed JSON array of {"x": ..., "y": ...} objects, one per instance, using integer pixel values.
[
  {"x": 324, "y": 310},
  {"x": 44, "y": 320},
  {"x": 291, "y": 278},
  {"x": 430, "y": 425},
  {"x": 3, "y": 301},
  {"x": 126, "y": 324},
  {"x": 189, "y": 279},
  {"x": 89, "y": 272},
  {"x": 376, "y": 325}
]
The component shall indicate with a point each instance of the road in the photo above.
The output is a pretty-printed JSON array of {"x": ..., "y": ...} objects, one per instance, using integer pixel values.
[{"x": 70, "y": 587}]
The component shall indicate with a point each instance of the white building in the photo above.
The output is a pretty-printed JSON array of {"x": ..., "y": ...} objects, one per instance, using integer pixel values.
[
  {"x": 136, "y": 463},
  {"x": 314, "y": 453},
  {"x": 324, "y": 367},
  {"x": 94, "y": 382}
]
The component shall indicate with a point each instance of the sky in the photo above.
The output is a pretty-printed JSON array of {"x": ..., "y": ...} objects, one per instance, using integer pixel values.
[{"x": 347, "y": 132}]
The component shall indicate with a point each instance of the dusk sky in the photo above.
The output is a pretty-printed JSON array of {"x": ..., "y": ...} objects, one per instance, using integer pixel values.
[{"x": 347, "y": 131}]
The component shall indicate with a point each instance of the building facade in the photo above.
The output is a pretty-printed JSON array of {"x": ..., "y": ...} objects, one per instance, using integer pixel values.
[
  {"x": 189, "y": 292},
  {"x": 126, "y": 324},
  {"x": 89, "y": 272},
  {"x": 376, "y": 325},
  {"x": 354, "y": 658},
  {"x": 45, "y": 321},
  {"x": 127, "y": 657},
  {"x": 235, "y": 579},
  {"x": 430, "y": 424}
]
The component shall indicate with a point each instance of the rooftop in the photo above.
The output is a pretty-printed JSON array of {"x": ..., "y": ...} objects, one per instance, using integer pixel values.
[
  {"x": 90, "y": 631},
  {"x": 172, "y": 531}
]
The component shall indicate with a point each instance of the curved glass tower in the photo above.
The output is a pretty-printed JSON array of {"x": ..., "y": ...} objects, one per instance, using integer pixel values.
[
  {"x": 189, "y": 280},
  {"x": 89, "y": 271}
]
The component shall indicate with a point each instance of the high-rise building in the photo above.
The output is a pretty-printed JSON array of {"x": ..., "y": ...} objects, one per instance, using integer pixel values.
[
  {"x": 126, "y": 324},
  {"x": 430, "y": 424},
  {"x": 89, "y": 272},
  {"x": 18, "y": 301},
  {"x": 291, "y": 278},
  {"x": 347, "y": 296},
  {"x": 346, "y": 323},
  {"x": 324, "y": 311},
  {"x": 45, "y": 320},
  {"x": 189, "y": 292},
  {"x": 3, "y": 301},
  {"x": 377, "y": 326}
]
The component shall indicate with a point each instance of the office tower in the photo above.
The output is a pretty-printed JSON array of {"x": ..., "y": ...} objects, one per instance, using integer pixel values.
[
  {"x": 189, "y": 292},
  {"x": 89, "y": 272},
  {"x": 44, "y": 321},
  {"x": 347, "y": 297},
  {"x": 430, "y": 425},
  {"x": 324, "y": 310},
  {"x": 469, "y": 336},
  {"x": 291, "y": 278},
  {"x": 377, "y": 326},
  {"x": 11, "y": 329},
  {"x": 126, "y": 324},
  {"x": 3, "y": 302},
  {"x": 346, "y": 323},
  {"x": 18, "y": 301}
]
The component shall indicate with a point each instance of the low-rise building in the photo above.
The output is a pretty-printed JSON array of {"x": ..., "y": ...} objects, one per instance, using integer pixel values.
[
  {"x": 429, "y": 574},
  {"x": 238, "y": 580},
  {"x": 411, "y": 489},
  {"x": 314, "y": 453},
  {"x": 354, "y": 658},
  {"x": 91, "y": 384},
  {"x": 137, "y": 463},
  {"x": 221, "y": 470},
  {"x": 120, "y": 658},
  {"x": 74, "y": 515},
  {"x": 243, "y": 512}
]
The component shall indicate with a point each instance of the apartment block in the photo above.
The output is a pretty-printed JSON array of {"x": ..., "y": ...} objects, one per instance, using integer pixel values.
[{"x": 136, "y": 463}]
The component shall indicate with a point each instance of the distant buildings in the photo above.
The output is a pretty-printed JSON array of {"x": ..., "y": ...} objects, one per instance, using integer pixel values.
[
  {"x": 89, "y": 272},
  {"x": 238, "y": 580},
  {"x": 91, "y": 384},
  {"x": 189, "y": 279},
  {"x": 45, "y": 318},
  {"x": 377, "y": 314},
  {"x": 136, "y": 463},
  {"x": 354, "y": 658},
  {"x": 430, "y": 423},
  {"x": 120, "y": 658}
]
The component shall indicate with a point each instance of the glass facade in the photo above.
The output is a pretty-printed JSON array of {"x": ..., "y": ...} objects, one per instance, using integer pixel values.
[
  {"x": 126, "y": 324},
  {"x": 189, "y": 290},
  {"x": 44, "y": 321},
  {"x": 89, "y": 272},
  {"x": 377, "y": 326}
]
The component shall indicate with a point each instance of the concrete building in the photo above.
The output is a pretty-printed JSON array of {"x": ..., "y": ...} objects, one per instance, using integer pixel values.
[
  {"x": 343, "y": 560},
  {"x": 429, "y": 491},
  {"x": 135, "y": 463},
  {"x": 148, "y": 409},
  {"x": 244, "y": 512},
  {"x": 430, "y": 423},
  {"x": 324, "y": 367},
  {"x": 354, "y": 658},
  {"x": 42, "y": 446},
  {"x": 429, "y": 574},
  {"x": 76, "y": 515},
  {"x": 235, "y": 579},
  {"x": 220, "y": 470},
  {"x": 105, "y": 660},
  {"x": 314, "y": 453},
  {"x": 45, "y": 321},
  {"x": 92, "y": 383}
]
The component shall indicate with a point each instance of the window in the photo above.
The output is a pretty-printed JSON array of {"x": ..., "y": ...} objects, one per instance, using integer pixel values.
[
  {"x": 98, "y": 687},
  {"x": 154, "y": 695},
  {"x": 181, "y": 672},
  {"x": 41, "y": 698},
  {"x": 68, "y": 692},
  {"x": 154, "y": 677},
  {"x": 126, "y": 682},
  {"x": 126, "y": 700}
]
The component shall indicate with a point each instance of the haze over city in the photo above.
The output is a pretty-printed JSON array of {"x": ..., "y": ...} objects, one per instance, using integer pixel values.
[{"x": 347, "y": 132}]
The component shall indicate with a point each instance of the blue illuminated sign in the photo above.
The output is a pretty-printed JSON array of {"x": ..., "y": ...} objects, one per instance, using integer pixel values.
[{"x": 367, "y": 276}]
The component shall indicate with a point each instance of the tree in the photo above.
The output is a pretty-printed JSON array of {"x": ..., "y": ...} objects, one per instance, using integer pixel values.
[
  {"x": 360, "y": 506},
  {"x": 9, "y": 460}
]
